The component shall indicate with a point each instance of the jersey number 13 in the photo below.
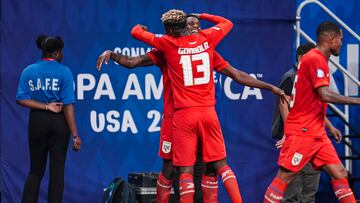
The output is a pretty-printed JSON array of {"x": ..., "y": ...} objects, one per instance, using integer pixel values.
[{"x": 204, "y": 67}]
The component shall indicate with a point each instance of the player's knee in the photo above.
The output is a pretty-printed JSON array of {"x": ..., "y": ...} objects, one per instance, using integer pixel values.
[
  {"x": 187, "y": 169},
  {"x": 168, "y": 169},
  {"x": 167, "y": 173},
  {"x": 219, "y": 164},
  {"x": 286, "y": 175},
  {"x": 167, "y": 163},
  {"x": 209, "y": 169}
]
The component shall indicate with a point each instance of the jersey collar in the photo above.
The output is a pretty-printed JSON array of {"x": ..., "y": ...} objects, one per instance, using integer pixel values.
[{"x": 48, "y": 59}]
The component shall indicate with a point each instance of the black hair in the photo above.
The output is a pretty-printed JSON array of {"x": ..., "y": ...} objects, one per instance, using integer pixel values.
[
  {"x": 49, "y": 44},
  {"x": 176, "y": 26},
  {"x": 192, "y": 15},
  {"x": 303, "y": 49},
  {"x": 327, "y": 27}
]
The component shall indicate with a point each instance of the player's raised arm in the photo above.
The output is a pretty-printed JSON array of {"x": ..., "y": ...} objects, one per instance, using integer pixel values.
[
  {"x": 126, "y": 61},
  {"x": 224, "y": 24},
  {"x": 140, "y": 33}
]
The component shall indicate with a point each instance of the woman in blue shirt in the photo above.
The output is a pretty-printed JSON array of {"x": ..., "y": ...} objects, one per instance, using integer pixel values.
[{"x": 47, "y": 88}]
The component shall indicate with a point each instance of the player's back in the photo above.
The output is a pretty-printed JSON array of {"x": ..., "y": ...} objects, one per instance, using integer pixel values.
[
  {"x": 307, "y": 113},
  {"x": 189, "y": 61},
  {"x": 159, "y": 60}
]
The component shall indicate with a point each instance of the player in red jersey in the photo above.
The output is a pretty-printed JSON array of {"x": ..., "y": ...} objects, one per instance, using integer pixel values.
[
  {"x": 155, "y": 57},
  {"x": 193, "y": 90},
  {"x": 209, "y": 179},
  {"x": 306, "y": 139},
  {"x": 189, "y": 61}
]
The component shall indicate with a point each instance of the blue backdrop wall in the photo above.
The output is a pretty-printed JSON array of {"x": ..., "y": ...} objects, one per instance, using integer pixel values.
[{"x": 118, "y": 111}]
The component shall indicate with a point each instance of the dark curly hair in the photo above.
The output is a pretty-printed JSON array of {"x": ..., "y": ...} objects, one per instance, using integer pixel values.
[{"x": 49, "y": 44}]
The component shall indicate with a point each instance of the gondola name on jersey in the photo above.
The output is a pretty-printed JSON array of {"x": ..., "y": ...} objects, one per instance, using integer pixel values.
[{"x": 194, "y": 50}]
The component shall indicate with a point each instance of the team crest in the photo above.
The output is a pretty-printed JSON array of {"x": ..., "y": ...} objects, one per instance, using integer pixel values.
[
  {"x": 166, "y": 147},
  {"x": 320, "y": 73},
  {"x": 296, "y": 159}
]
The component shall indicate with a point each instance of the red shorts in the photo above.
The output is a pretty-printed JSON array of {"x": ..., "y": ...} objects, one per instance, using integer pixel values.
[
  {"x": 297, "y": 151},
  {"x": 193, "y": 125},
  {"x": 166, "y": 138}
]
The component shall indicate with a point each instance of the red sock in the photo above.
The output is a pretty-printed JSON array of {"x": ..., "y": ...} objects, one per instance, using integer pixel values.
[
  {"x": 209, "y": 185},
  {"x": 230, "y": 183},
  {"x": 187, "y": 188},
  {"x": 275, "y": 191},
  {"x": 163, "y": 188},
  {"x": 343, "y": 191}
]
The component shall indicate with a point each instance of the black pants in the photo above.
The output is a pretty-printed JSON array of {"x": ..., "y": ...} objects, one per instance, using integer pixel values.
[
  {"x": 304, "y": 186},
  {"x": 48, "y": 134}
]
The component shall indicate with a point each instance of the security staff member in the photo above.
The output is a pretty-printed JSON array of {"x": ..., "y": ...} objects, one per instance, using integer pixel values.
[{"x": 46, "y": 87}]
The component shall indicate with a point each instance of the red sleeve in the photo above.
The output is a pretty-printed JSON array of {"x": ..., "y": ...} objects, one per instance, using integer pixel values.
[
  {"x": 219, "y": 62},
  {"x": 147, "y": 37},
  {"x": 318, "y": 72},
  {"x": 222, "y": 27},
  {"x": 157, "y": 57}
]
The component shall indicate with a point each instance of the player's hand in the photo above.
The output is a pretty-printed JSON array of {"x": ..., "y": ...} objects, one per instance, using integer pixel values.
[
  {"x": 336, "y": 133},
  {"x": 77, "y": 143},
  {"x": 143, "y": 27},
  {"x": 280, "y": 143},
  {"x": 55, "y": 107},
  {"x": 281, "y": 94},
  {"x": 104, "y": 57}
]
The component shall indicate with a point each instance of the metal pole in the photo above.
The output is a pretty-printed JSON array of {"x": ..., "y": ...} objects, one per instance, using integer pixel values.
[{"x": 303, "y": 4}]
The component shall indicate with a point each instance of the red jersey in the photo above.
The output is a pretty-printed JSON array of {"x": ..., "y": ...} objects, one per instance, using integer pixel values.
[
  {"x": 158, "y": 59},
  {"x": 219, "y": 63},
  {"x": 190, "y": 61},
  {"x": 308, "y": 111}
]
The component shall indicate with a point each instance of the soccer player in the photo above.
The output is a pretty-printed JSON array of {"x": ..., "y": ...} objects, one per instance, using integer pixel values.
[
  {"x": 209, "y": 179},
  {"x": 306, "y": 182},
  {"x": 306, "y": 139},
  {"x": 195, "y": 117},
  {"x": 189, "y": 63},
  {"x": 155, "y": 57}
]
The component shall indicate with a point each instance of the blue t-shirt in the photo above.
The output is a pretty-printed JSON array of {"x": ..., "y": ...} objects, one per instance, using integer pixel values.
[{"x": 46, "y": 81}]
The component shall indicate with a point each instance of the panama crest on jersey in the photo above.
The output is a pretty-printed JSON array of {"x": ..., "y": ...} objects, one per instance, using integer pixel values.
[
  {"x": 166, "y": 147},
  {"x": 296, "y": 159},
  {"x": 320, "y": 73}
]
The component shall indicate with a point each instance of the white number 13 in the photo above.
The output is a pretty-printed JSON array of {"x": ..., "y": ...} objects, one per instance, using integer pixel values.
[{"x": 186, "y": 61}]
